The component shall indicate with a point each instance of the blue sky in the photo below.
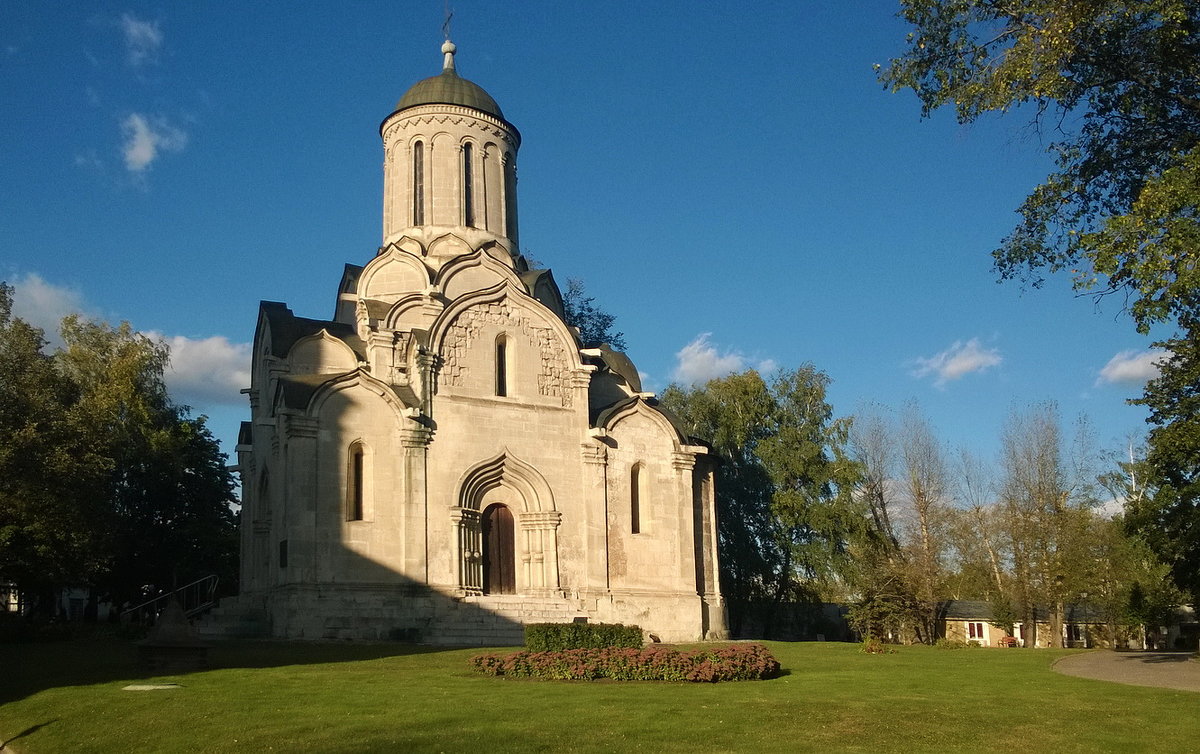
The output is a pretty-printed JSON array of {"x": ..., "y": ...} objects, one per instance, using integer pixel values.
[{"x": 729, "y": 179}]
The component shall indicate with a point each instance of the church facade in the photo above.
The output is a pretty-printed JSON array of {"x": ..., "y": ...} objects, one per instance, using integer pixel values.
[{"x": 444, "y": 460}]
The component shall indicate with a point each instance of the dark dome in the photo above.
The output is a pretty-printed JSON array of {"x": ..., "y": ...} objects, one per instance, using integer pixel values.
[{"x": 448, "y": 88}]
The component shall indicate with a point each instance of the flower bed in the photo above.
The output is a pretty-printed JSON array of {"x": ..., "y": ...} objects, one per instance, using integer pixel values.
[{"x": 730, "y": 662}]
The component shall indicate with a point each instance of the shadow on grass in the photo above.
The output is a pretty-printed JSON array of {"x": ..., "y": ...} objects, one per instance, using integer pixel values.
[
  {"x": 32, "y": 667},
  {"x": 31, "y": 729}
]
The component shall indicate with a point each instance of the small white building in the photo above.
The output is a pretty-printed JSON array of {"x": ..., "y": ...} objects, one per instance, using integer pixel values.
[{"x": 444, "y": 460}]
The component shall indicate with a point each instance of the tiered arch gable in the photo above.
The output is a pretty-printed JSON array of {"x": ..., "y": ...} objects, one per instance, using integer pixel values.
[
  {"x": 357, "y": 380},
  {"x": 396, "y": 271},
  {"x": 321, "y": 353},
  {"x": 612, "y": 417},
  {"x": 547, "y": 354},
  {"x": 448, "y": 245},
  {"x": 507, "y": 471},
  {"x": 514, "y": 296},
  {"x": 479, "y": 270},
  {"x": 412, "y": 312}
]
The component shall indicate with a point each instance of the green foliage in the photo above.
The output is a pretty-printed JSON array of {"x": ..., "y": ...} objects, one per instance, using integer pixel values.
[
  {"x": 595, "y": 325},
  {"x": 554, "y": 637},
  {"x": 735, "y": 662},
  {"x": 50, "y": 526},
  {"x": 1125, "y": 77},
  {"x": 1167, "y": 517},
  {"x": 881, "y": 612},
  {"x": 103, "y": 481},
  {"x": 945, "y": 643},
  {"x": 786, "y": 509},
  {"x": 900, "y": 573},
  {"x": 873, "y": 646},
  {"x": 1004, "y": 615},
  {"x": 1119, "y": 212}
]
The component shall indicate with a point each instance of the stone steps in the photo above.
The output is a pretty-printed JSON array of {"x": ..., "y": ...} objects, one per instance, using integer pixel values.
[{"x": 235, "y": 618}]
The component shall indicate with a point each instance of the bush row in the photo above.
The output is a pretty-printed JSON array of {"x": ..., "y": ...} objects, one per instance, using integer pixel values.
[
  {"x": 734, "y": 662},
  {"x": 944, "y": 643},
  {"x": 555, "y": 637}
]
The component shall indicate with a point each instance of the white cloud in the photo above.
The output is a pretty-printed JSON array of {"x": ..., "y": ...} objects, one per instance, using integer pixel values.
[
  {"x": 959, "y": 360},
  {"x": 206, "y": 371},
  {"x": 43, "y": 304},
  {"x": 1132, "y": 367},
  {"x": 700, "y": 361},
  {"x": 144, "y": 140},
  {"x": 203, "y": 371},
  {"x": 143, "y": 39}
]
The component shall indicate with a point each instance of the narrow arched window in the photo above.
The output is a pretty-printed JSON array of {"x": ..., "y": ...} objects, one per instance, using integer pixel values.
[
  {"x": 418, "y": 182},
  {"x": 502, "y": 365},
  {"x": 635, "y": 499},
  {"x": 356, "y": 497},
  {"x": 468, "y": 186},
  {"x": 510, "y": 197}
]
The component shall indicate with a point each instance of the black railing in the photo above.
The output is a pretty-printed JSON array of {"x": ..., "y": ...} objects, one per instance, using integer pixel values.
[{"x": 194, "y": 598}]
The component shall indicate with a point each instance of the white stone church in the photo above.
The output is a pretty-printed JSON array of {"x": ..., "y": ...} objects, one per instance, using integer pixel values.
[{"x": 444, "y": 460}]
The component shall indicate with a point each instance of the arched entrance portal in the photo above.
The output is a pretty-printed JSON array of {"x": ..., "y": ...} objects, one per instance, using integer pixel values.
[
  {"x": 499, "y": 561},
  {"x": 495, "y": 498}
]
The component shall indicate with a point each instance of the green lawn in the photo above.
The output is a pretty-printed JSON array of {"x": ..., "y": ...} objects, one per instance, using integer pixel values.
[{"x": 261, "y": 696}]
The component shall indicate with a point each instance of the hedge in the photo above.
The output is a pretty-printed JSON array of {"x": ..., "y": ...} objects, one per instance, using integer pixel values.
[
  {"x": 554, "y": 637},
  {"x": 733, "y": 662}
]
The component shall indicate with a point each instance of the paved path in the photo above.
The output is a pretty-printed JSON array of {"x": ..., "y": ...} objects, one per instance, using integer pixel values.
[{"x": 1168, "y": 670}]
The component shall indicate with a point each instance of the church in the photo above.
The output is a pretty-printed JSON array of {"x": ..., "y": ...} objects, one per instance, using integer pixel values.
[{"x": 444, "y": 460}]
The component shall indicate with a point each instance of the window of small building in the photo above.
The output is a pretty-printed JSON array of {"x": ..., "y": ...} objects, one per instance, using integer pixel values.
[
  {"x": 975, "y": 631},
  {"x": 418, "y": 163},
  {"x": 502, "y": 365},
  {"x": 468, "y": 185},
  {"x": 1074, "y": 632}
]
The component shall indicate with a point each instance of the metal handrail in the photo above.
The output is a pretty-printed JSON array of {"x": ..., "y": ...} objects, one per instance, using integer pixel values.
[{"x": 194, "y": 598}]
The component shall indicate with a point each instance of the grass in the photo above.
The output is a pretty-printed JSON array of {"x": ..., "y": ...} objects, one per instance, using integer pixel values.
[{"x": 276, "y": 696}]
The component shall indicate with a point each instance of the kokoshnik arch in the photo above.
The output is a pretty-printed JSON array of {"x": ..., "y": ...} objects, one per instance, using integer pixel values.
[{"x": 444, "y": 458}]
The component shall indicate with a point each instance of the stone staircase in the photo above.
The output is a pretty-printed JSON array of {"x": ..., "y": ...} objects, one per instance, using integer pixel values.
[
  {"x": 495, "y": 620},
  {"x": 238, "y": 617},
  {"x": 482, "y": 621}
]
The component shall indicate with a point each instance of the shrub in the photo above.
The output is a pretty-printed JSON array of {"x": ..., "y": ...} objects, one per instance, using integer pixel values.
[
  {"x": 950, "y": 644},
  {"x": 734, "y": 662},
  {"x": 873, "y": 646},
  {"x": 555, "y": 637}
]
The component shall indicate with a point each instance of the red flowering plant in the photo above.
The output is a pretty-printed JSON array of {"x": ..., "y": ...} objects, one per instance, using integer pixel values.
[{"x": 733, "y": 662}]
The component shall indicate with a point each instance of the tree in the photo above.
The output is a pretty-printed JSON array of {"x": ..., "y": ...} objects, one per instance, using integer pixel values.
[
  {"x": 50, "y": 531},
  {"x": 104, "y": 482},
  {"x": 1118, "y": 83},
  {"x": 926, "y": 487},
  {"x": 1123, "y": 77},
  {"x": 885, "y": 603},
  {"x": 595, "y": 325},
  {"x": 1167, "y": 516},
  {"x": 902, "y": 572},
  {"x": 786, "y": 511},
  {"x": 1047, "y": 493},
  {"x": 166, "y": 488}
]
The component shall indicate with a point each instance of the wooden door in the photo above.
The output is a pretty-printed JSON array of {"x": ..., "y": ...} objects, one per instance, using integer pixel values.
[{"x": 499, "y": 562}]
